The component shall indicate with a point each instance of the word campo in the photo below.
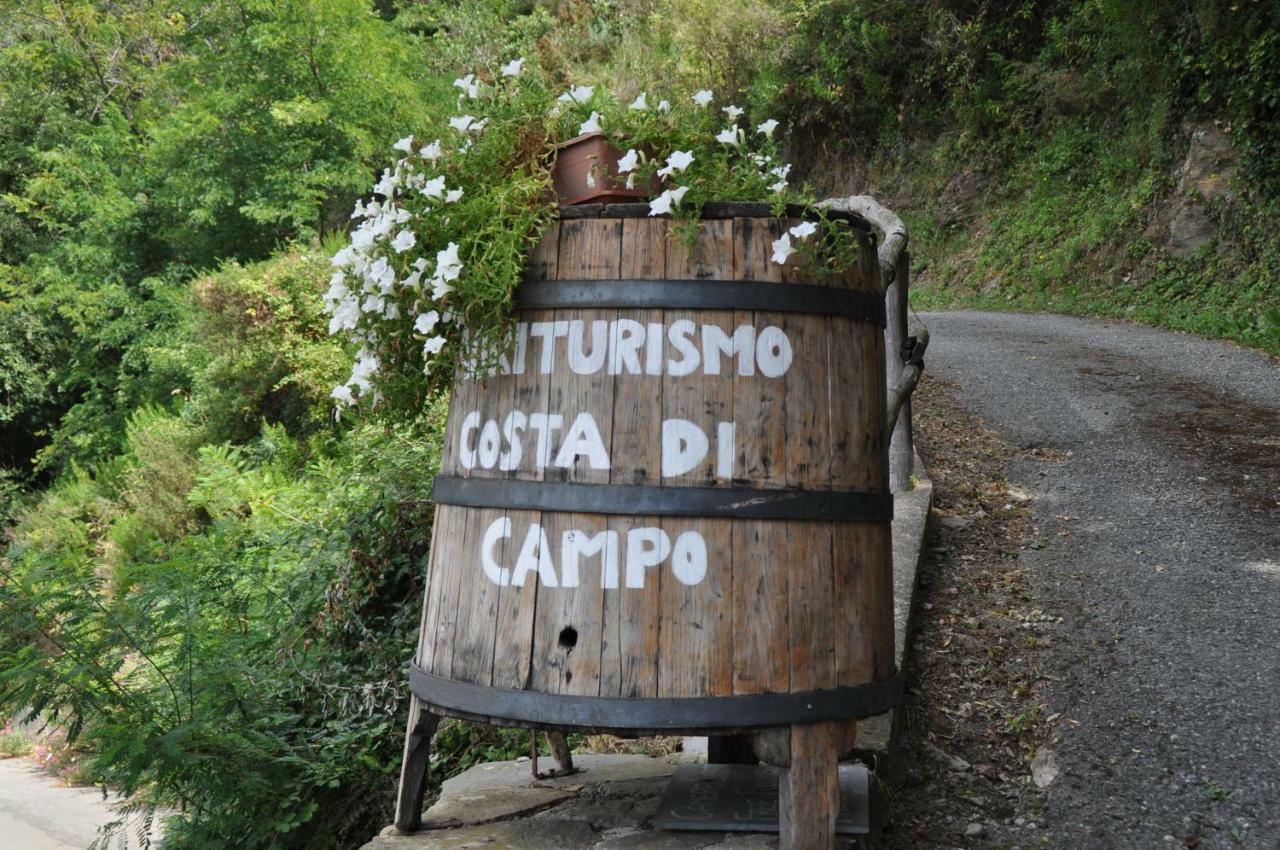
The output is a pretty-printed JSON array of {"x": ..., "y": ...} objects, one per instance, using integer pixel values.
[
  {"x": 488, "y": 444},
  {"x": 646, "y": 547},
  {"x": 625, "y": 346}
]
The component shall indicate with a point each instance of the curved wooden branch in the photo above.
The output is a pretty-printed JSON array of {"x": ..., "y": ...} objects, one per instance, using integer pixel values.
[
  {"x": 908, "y": 379},
  {"x": 893, "y": 233}
]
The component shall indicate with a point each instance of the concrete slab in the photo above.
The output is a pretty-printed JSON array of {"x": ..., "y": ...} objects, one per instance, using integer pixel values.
[
  {"x": 506, "y": 789},
  {"x": 508, "y": 835}
]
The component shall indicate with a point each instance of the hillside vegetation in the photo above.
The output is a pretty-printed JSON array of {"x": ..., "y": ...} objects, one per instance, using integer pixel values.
[{"x": 209, "y": 581}]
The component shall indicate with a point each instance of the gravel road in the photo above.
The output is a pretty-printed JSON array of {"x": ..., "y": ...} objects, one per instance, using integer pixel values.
[{"x": 1161, "y": 535}]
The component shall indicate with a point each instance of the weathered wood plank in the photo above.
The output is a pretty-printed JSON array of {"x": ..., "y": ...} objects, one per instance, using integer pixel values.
[
  {"x": 761, "y": 554},
  {"x": 446, "y": 569},
  {"x": 567, "y": 628},
  {"x": 516, "y": 605},
  {"x": 809, "y": 789},
  {"x": 696, "y": 640},
  {"x": 630, "y": 616}
]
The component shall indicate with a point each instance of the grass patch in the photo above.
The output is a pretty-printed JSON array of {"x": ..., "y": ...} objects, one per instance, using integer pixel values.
[
  {"x": 1066, "y": 227},
  {"x": 15, "y": 744}
]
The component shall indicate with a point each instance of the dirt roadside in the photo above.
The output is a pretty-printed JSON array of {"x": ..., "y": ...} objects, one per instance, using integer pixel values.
[{"x": 974, "y": 720}]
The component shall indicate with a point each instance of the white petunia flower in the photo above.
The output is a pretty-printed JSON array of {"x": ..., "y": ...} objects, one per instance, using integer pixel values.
[
  {"x": 448, "y": 266},
  {"x": 387, "y": 185},
  {"x": 591, "y": 125},
  {"x": 440, "y": 288},
  {"x": 660, "y": 205},
  {"x": 337, "y": 288},
  {"x": 781, "y": 171},
  {"x": 362, "y": 238},
  {"x": 803, "y": 230},
  {"x": 469, "y": 86},
  {"x": 664, "y": 106},
  {"x": 425, "y": 323},
  {"x": 702, "y": 98},
  {"x": 628, "y": 162},
  {"x": 404, "y": 241},
  {"x": 778, "y": 187},
  {"x": 391, "y": 311},
  {"x": 342, "y": 395},
  {"x": 432, "y": 151},
  {"x": 733, "y": 112},
  {"x": 729, "y": 136},
  {"x": 677, "y": 162},
  {"x": 782, "y": 249},
  {"x": 366, "y": 367},
  {"x": 767, "y": 127},
  {"x": 453, "y": 196},
  {"x": 580, "y": 95},
  {"x": 405, "y": 144},
  {"x": 380, "y": 276},
  {"x": 663, "y": 204},
  {"x": 372, "y": 304},
  {"x": 343, "y": 258},
  {"x": 432, "y": 346},
  {"x": 512, "y": 68},
  {"x": 462, "y": 123},
  {"x": 345, "y": 315},
  {"x": 433, "y": 188},
  {"x": 639, "y": 103},
  {"x": 358, "y": 212},
  {"x": 402, "y": 215}
]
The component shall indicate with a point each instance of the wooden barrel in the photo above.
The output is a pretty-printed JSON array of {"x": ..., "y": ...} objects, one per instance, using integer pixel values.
[{"x": 668, "y": 509}]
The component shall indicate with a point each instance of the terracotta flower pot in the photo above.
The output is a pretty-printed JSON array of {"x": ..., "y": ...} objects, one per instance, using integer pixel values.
[{"x": 586, "y": 172}]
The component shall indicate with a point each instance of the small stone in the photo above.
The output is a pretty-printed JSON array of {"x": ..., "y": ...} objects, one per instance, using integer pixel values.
[
  {"x": 1044, "y": 768},
  {"x": 975, "y": 830}
]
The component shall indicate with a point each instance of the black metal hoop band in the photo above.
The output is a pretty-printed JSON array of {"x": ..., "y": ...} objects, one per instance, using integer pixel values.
[
  {"x": 685, "y": 713},
  {"x": 702, "y": 295},
  {"x": 640, "y": 500}
]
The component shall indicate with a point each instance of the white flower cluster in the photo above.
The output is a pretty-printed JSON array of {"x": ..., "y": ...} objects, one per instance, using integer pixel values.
[
  {"x": 385, "y": 286},
  {"x": 782, "y": 246},
  {"x": 373, "y": 278}
]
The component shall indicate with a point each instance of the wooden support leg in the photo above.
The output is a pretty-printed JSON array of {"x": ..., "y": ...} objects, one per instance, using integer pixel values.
[
  {"x": 730, "y": 749},
  {"x": 809, "y": 790},
  {"x": 413, "y": 769},
  {"x": 560, "y": 749}
]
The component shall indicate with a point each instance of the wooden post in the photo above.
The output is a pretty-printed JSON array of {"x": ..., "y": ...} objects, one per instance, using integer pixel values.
[
  {"x": 809, "y": 789},
  {"x": 901, "y": 450},
  {"x": 413, "y": 769}
]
